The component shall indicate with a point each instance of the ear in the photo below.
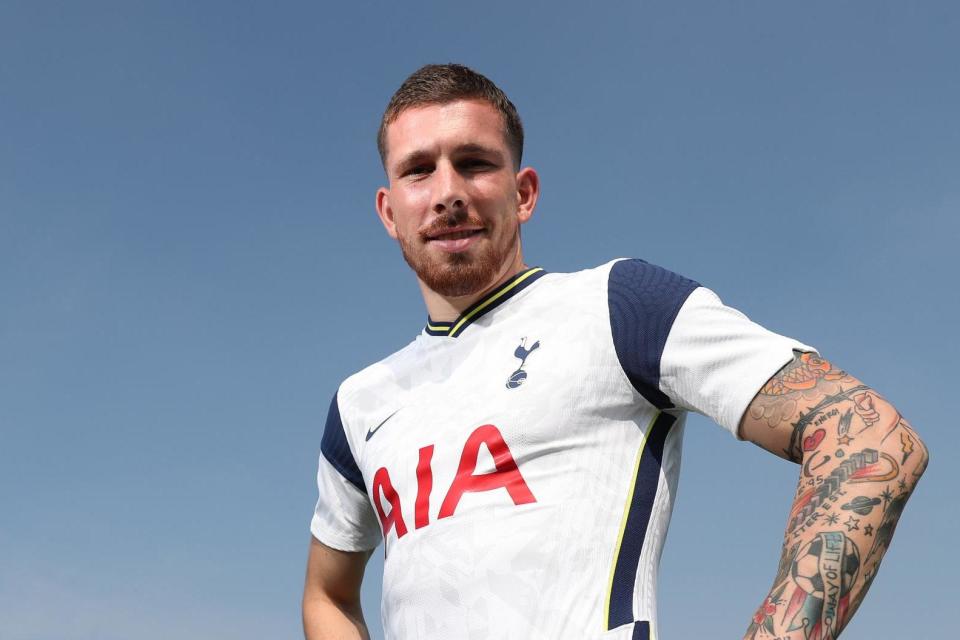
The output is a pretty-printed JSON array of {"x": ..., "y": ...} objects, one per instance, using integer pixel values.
[
  {"x": 385, "y": 212},
  {"x": 528, "y": 190}
]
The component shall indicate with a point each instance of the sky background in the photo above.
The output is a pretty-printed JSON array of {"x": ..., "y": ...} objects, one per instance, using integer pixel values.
[{"x": 190, "y": 263}]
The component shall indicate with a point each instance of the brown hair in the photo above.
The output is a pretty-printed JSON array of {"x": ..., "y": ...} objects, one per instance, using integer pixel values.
[{"x": 442, "y": 83}]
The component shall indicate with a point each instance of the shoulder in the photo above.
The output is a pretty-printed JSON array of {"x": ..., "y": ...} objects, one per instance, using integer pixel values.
[
  {"x": 639, "y": 298},
  {"x": 356, "y": 400},
  {"x": 635, "y": 280},
  {"x": 380, "y": 372},
  {"x": 644, "y": 298},
  {"x": 623, "y": 275}
]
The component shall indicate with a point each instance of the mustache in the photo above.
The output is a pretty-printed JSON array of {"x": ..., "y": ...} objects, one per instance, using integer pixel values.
[{"x": 459, "y": 217}]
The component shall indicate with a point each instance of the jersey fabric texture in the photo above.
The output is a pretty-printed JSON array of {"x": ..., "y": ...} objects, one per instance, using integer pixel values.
[{"x": 520, "y": 463}]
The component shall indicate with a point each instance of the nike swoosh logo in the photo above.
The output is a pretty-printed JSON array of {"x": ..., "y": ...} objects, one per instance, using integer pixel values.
[{"x": 370, "y": 432}]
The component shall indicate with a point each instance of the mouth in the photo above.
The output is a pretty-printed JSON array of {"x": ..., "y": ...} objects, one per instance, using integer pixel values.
[{"x": 455, "y": 240}]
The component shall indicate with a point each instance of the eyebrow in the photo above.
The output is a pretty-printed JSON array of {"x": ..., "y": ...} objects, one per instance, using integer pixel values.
[
  {"x": 473, "y": 147},
  {"x": 422, "y": 154},
  {"x": 412, "y": 158}
]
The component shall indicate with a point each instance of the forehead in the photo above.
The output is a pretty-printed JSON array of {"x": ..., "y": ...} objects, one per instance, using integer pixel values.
[{"x": 434, "y": 127}]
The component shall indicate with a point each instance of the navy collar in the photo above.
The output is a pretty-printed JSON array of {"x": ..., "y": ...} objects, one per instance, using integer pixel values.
[{"x": 484, "y": 305}]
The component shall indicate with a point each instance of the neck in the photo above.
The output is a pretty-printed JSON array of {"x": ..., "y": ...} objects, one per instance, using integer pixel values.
[{"x": 448, "y": 308}]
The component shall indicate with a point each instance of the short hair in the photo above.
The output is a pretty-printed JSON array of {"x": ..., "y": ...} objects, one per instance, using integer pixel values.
[{"x": 443, "y": 83}]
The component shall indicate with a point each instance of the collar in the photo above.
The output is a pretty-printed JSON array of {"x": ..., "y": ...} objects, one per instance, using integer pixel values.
[{"x": 484, "y": 305}]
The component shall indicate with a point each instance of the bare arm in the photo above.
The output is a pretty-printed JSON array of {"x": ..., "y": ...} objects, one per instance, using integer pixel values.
[
  {"x": 859, "y": 461},
  {"x": 331, "y": 595}
]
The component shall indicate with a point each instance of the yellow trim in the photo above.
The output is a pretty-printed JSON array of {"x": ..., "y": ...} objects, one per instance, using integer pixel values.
[
  {"x": 623, "y": 523},
  {"x": 436, "y": 328},
  {"x": 493, "y": 298}
]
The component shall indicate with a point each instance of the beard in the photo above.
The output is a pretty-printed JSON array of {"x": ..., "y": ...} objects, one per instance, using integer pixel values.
[{"x": 455, "y": 274}]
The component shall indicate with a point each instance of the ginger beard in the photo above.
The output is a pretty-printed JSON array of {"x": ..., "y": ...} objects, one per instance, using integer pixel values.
[{"x": 456, "y": 274}]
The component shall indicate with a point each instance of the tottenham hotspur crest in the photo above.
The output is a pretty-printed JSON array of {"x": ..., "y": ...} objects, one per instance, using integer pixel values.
[{"x": 517, "y": 377}]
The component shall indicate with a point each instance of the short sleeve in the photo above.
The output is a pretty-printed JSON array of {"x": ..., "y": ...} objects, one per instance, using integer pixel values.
[
  {"x": 343, "y": 518},
  {"x": 716, "y": 359}
]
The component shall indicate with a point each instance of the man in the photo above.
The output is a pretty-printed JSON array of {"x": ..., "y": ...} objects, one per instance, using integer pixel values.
[{"x": 519, "y": 458}]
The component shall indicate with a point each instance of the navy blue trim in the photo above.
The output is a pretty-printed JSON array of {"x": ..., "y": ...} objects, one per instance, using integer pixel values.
[
  {"x": 335, "y": 449},
  {"x": 644, "y": 300},
  {"x": 638, "y": 517},
  {"x": 455, "y": 328},
  {"x": 442, "y": 328},
  {"x": 641, "y": 631},
  {"x": 513, "y": 290}
]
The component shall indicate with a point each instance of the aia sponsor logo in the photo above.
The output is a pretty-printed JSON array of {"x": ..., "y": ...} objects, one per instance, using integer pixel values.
[{"x": 506, "y": 475}]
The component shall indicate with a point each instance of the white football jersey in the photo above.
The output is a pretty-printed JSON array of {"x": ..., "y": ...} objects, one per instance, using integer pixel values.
[{"x": 520, "y": 463}]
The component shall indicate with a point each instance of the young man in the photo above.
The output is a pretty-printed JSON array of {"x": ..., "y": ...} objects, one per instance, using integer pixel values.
[{"x": 519, "y": 458}]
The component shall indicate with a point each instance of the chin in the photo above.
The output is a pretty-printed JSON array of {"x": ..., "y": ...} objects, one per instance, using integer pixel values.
[{"x": 457, "y": 274}]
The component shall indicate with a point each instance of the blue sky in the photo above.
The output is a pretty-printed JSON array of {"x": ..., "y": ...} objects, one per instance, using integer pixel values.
[{"x": 190, "y": 263}]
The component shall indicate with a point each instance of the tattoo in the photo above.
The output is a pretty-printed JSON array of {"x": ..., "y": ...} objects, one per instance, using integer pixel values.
[
  {"x": 865, "y": 404},
  {"x": 818, "y": 413},
  {"x": 763, "y": 618},
  {"x": 786, "y": 561},
  {"x": 884, "y": 532},
  {"x": 865, "y": 409},
  {"x": 843, "y": 428},
  {"x": 861, "y": 505},
  {"x": 823, "y": 573},
  {"x": 807, "y": 469},
  {"x": 814, "y": 583},
  {"x": 826, "y": 416},
  {"x": 906, "y": 446},
  {"x": 805, "y": 419},
  {"x": 887, "y": 497},
  {"x": 882, "y": 469},
  {"x": 803, "y": 373},
  {"x": 857, "y": 465},
  {"x": 813, "y": 441},
  {"x": 806, "y": 376}
]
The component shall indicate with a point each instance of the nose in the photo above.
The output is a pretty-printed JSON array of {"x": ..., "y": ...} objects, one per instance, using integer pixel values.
[{"x": 450, "y": 194}]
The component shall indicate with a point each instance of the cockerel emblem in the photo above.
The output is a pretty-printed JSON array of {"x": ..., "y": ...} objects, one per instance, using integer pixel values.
[{"x": 518, "y": 377}]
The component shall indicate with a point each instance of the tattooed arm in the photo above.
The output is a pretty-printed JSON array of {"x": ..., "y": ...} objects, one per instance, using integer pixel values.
[{"x": 859, "y": 461}]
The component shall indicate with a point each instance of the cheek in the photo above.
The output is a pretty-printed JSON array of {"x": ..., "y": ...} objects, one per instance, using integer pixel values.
[
  {"x": 408, "y": 210},
  {"x": 499, "y": 193}
]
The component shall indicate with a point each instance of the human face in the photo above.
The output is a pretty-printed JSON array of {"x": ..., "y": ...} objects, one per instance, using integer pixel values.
[{"x": 455, "y": 203}]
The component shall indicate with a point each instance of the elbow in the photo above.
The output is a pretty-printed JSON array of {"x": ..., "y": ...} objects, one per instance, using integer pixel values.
[
  {"x": 904, "y": 445},
  {"x": 923, "y": 458}
]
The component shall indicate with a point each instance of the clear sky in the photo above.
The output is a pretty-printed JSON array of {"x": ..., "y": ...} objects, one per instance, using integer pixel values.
[{"x": 190, "y": 263}]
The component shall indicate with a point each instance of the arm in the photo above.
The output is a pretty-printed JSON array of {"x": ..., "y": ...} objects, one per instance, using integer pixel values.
[
  {"x": 859, "y": 461},
  {"x": 331, "y": 595}
]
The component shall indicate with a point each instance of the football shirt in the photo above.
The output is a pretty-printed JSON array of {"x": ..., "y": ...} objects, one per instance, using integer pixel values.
[{"x": 520, "y": 463}]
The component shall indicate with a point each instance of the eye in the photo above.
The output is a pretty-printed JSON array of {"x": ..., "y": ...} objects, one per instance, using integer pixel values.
[
  {"x": 417, "y": 170},
  {"x": 476, "y": 164}
]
